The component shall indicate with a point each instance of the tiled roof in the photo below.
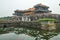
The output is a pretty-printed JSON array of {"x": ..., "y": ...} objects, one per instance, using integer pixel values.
[{"x": 41, "y": 5}]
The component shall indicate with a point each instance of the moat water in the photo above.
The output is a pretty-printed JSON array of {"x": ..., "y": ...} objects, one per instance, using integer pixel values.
[{"x": 28, "y": 34}]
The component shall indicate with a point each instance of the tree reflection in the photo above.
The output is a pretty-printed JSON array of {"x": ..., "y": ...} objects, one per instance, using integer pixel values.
[{"x": 38, "y": 34}]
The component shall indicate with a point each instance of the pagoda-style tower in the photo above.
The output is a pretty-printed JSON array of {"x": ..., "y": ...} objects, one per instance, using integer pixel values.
[
  {"x": 31, "y": 14},
  {"x": 41, "y": 8}
]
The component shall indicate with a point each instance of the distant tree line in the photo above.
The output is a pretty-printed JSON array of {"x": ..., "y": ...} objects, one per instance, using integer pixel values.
[{"x": 5, "y": 18}]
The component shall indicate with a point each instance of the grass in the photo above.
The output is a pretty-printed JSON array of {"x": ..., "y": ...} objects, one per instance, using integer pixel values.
[{"x": 46, "y": 19}]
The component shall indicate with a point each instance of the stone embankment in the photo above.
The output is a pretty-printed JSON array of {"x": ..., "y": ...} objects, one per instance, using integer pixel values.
[
  {"x": 31, "y": 24},
  {"x": 20, "y": 24}
]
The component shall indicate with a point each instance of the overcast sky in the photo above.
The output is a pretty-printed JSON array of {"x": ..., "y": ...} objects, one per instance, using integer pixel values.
[{"x": 7, "y": 7}]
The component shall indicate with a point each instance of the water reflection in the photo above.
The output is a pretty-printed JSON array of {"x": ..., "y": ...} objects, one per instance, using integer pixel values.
[{"x": 37, "y": 34}]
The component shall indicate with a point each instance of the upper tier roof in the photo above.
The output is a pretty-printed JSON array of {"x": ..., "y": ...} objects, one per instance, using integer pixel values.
[{"x": 41, "y": 5}]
